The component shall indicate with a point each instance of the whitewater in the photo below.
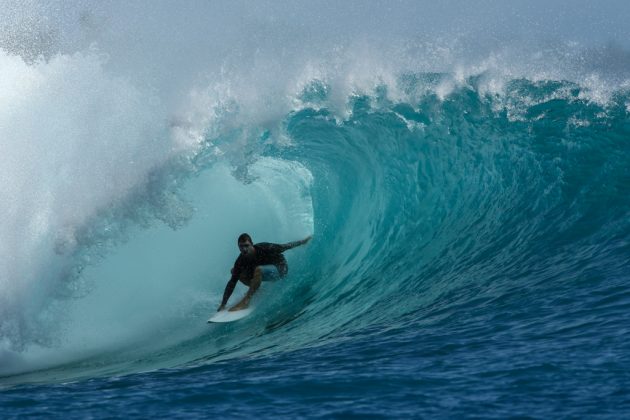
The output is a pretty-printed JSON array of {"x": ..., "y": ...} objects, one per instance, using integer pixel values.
[{"x": 464, "y": 171}]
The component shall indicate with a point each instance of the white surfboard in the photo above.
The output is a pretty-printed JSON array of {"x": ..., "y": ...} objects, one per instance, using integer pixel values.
[{"x": 229, "y": 316}]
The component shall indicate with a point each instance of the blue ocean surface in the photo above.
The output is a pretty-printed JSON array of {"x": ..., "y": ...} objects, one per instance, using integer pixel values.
[{"x": 470, "y": 214}]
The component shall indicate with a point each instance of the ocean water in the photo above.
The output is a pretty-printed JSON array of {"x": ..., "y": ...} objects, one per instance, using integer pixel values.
[{"x": 468, "y": 193}]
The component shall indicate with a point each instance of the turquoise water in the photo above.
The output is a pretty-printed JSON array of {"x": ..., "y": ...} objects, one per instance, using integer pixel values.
[{"x": 471, "y": 234}]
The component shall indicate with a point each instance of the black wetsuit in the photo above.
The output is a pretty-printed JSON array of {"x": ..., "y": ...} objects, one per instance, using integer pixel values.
[{"x": 266, "y": 254}]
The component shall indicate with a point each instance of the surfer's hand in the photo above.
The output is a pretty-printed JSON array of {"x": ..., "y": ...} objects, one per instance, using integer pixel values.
[{"x": 305, "y": 240}]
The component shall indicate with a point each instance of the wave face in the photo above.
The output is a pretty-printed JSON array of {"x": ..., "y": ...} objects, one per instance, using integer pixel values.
[{"x": 471, "y": 217}]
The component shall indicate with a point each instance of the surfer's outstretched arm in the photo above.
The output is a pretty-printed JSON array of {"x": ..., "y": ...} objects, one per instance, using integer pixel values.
[{"x": 296, "y": 243}]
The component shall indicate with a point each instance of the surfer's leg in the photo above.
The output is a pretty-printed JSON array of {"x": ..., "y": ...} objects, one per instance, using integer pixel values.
[
  {"x": 254, "y": 284},
  {"x": 270, "y": 272},
  {"x": 283, "y": 267}
]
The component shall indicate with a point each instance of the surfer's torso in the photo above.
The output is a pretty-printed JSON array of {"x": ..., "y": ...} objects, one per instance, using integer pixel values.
[{"x": 266, "y": 254}]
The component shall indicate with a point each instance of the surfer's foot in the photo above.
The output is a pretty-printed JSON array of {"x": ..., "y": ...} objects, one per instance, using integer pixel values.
[{"x": 239, "y": 306}]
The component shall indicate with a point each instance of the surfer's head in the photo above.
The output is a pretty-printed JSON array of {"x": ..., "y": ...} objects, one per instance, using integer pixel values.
[{"x": 245, "y": 244}]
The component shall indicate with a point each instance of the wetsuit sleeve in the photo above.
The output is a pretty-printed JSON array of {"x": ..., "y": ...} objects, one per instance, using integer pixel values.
[
  {"x": 289, "y": 245},
  {"x": 231, "y": 284},
  {"x": 279, "y": 248}
]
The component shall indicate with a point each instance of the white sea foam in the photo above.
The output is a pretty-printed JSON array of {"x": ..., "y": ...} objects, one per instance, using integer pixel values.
[{"x": 73, "y": 140}]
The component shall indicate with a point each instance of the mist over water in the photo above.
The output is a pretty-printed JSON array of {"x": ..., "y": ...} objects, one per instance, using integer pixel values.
[{"x": 451, "y": 160}]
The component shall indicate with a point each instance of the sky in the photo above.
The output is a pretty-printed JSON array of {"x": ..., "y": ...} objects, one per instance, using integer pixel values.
[{"x": 588, "y": 22}]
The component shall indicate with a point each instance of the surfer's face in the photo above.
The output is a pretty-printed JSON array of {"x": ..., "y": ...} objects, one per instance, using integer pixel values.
[{"x": 246, "y": 248}]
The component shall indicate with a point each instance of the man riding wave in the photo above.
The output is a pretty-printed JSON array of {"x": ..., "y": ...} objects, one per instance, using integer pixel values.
[{"x": 248, "y": 267}]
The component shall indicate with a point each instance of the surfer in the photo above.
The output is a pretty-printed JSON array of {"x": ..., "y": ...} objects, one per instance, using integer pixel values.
[{"x": 248, "y": 266}]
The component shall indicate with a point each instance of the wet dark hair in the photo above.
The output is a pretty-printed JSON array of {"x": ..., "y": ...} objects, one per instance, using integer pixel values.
[{"x": 244, "y": 237}]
